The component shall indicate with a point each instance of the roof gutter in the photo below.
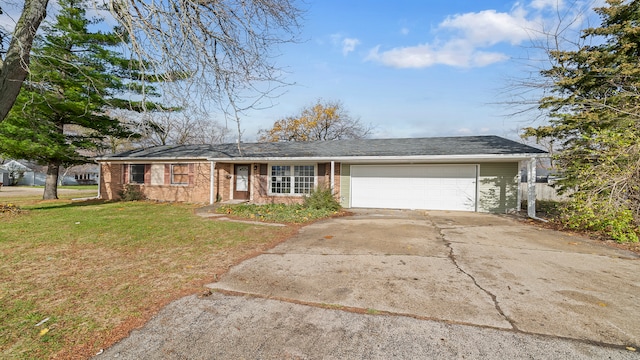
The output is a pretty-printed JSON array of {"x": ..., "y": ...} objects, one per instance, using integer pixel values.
[
  {"x": 411, "y": 158},
  {"x": 147, "y": 159}
]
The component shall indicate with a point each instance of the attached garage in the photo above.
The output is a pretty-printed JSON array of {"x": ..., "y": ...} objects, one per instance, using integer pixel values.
[{"x": 429, "y": 187}]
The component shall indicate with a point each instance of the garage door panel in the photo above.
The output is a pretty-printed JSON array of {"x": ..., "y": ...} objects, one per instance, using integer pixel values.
[{"x": 434, "y": 187}]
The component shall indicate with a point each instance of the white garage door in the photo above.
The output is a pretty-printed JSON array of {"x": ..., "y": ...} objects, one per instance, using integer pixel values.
[{"x": 431, "y": 187}]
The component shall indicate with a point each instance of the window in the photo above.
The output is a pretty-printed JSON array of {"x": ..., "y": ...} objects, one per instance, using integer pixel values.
[
  {"x": 136, "y": 173},
  {"x": 281, "y": 179},
  {"x": 180, "y": 174},
  {"x": 304, "y": 179},
  {"x": 292, "y": 179}
]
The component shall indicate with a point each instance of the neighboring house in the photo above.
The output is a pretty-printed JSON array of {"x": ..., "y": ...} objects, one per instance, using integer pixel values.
[
  {"x": 32, "y": 174},
  {"x": 15, "y": 172},
  {"x": 4, "y": 177},
  {"x": 86, "y": 174},
  {"x": 476, "y": 173}
]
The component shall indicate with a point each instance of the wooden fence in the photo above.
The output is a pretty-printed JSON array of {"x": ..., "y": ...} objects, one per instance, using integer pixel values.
[{"x": 544, "y": 191}]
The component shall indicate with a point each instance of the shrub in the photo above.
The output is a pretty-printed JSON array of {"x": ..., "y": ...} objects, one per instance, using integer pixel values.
[
  {"x": 131, "y": 193},
  {"x": 321, "y": 199},
  {"x": 605, "y": 218}
]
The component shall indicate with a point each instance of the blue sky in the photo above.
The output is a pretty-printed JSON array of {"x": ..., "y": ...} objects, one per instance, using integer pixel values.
[{"x": 413, "y": 68}]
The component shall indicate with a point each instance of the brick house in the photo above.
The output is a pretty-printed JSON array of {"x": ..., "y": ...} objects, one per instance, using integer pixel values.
[{"x": 476, "y": 173}]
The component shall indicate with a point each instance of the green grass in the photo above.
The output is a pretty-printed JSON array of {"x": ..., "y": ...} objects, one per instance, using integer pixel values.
[
  {"x": 97, "y": 270},
  {"x": 292, "y": 213}
]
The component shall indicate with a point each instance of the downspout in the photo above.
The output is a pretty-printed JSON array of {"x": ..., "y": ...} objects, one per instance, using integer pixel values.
[
  {"x": 519, "y": 182},
  {"x": 332, "y": 176},
  {"x": 212, "y": 176},
  {"x": 99, "y": 180}
]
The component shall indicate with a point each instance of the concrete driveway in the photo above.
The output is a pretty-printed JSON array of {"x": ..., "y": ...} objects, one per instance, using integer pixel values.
[{"x": 410, "y": 284}]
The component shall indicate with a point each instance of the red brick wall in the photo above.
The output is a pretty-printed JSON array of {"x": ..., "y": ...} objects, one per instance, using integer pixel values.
[
  {"x": 115, "y": 176},
  {"x": 224, "y": 178},
  {"x": 111, "y": 180},
  {"x": 260, "y": 184}
]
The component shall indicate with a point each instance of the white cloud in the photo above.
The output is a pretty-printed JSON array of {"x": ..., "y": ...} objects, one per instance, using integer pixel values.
[
  {"x": 348, "y": 45},
  {"x": 547, "y": 4},
  {"x": 490, "y": 27},
  {"x": 404, "y": 31},
  {"x": 465, "y": 40},
  {"x": 457, "y": 54}
]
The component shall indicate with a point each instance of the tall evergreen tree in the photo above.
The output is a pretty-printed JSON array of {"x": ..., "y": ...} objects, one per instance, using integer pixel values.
[
  {"x": 594, "y": 108},
  {"x": 61, "y": 114}
]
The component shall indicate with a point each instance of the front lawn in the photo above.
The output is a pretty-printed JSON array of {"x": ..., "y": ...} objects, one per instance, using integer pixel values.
[{"x": 77, "y": 276}]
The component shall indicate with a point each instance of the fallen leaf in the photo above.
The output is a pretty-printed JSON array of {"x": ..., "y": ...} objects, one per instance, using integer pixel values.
[
  {"x": 328, "y": 237},
  {"x": 44, "y": 331},
  {"x": 631, "y": 348},
  {"x": 602, "y": 304},
  {"x": 573, "y": 243}
]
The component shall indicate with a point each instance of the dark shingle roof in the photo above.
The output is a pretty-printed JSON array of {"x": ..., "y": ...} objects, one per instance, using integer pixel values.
[{"x": 436, "y": 146}]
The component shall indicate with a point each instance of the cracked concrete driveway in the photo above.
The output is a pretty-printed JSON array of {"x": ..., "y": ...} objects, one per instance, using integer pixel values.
[{"x": 414, "y": 284}]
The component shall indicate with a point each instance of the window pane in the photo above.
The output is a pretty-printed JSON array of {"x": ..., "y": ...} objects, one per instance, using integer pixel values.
[
  {"x": 180, "y": 173},
  {"x": 180, "y": 168},
  {"x": 285, "y": 180},
  {"x": 136, "y": 174},
  {"x": 280, "y": 170},
  {"x": 180, "y": 179},
  {"x": 304, "y": 179},
  {"x": 280, "y": 179}
]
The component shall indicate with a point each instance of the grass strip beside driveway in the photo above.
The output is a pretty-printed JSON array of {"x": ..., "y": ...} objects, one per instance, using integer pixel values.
[{"x": 77, "y": 276}]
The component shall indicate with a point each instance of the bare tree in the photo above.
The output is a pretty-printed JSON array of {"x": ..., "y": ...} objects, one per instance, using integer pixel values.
[
  {"x": 224, "y": 48},
  {"x": 182, "y": 129},
  {"x": 561, "y": 31},
  {"x": 185, "y": 127}
]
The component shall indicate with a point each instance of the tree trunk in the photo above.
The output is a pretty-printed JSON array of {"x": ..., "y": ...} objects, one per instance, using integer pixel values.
[
  {"x": 51, "y": 182},
  {"x": 14, "y": 68}
]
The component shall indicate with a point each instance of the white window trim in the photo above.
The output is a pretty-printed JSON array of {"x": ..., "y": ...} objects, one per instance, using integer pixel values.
[{"x": 315, "y": 177}]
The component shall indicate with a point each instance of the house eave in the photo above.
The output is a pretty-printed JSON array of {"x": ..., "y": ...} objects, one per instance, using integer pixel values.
[
  {"x": 387, "y": 159},
  {"x": 344, "y": 159},
  {"x": 144, "y": 160}
]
